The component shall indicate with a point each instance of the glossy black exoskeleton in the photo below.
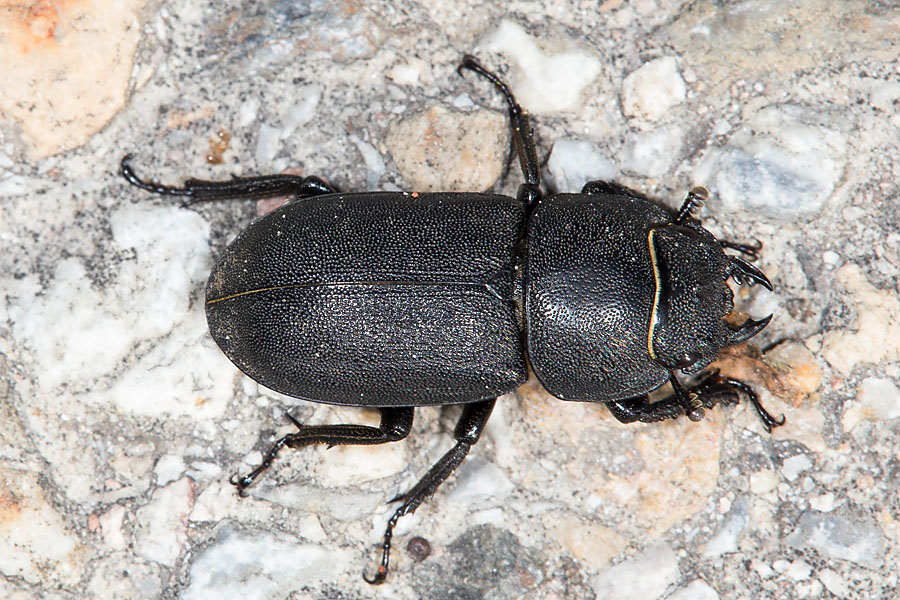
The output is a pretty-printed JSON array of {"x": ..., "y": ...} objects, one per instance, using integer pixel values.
[{"x": 395, "y": 300}]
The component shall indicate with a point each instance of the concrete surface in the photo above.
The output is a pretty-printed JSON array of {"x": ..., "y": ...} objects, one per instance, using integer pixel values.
[{"x": 122, "y": 422}]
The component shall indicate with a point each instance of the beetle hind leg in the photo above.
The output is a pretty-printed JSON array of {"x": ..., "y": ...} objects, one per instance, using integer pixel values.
[
  {"x": 468, "y": 430},
  {"x": 705, "y": 394},
  {"x": 395, "y": 425}
]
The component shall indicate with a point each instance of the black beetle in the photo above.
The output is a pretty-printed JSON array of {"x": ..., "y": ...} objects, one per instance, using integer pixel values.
[{"x": 394, "y": 300}]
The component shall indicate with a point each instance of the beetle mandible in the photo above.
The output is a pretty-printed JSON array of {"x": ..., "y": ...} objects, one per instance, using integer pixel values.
[{"x": 393, "y": 300}]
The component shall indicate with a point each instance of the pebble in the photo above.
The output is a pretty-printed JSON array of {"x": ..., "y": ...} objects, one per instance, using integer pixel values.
[
  {"x": 73, "y": 65},
  {"x": 644, "y": 577},
  {"x": 652, "y": 153},
  {"x": 573, "y": 163},
  {"x": 479, "y": 480},
  {"x": 833, "y": 582},
  {"x": 555, "y": 80},
  {"x": 36, "y": 544},
  {"x": 780, "y": 163},
  {"x": 245, "y": 567},
  {"x": 875, "y": 335},
  {"x": 878, "y": 399},
  {"x": 838, "y": 537},
  {"x": 651, "y": 91},
  {"x": 793, "y": 466},
  {"x": 446, "y": 149},
  {"x": 727, "y": 538},
  {"x": 168, "y": 468},
  {"x": 695, "y": 590},
  {"x": 162, "y": 523}
]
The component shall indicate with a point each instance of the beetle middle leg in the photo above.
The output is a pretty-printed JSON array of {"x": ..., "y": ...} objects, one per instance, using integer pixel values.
[
  {"x": 523, "y": 136},
  {"x": 468, "y": 430},
  {"x": 706, "y": 393},
  {"x": 262, "y": 186},
  {"x": 395, "y": 425}
]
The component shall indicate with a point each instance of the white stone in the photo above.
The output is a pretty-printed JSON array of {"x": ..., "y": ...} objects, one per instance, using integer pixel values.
[
  {"x": 651, "y": 91},
  {"x": 372, "y": 158},
  {"x": 799, "y": 570},
  {"x": 875, "y": 336},
  {"x": 168, "y": 468},
  {"x": 162, "y": 523},
  {"x": 478, "y": 480},
  {"x": 268, "y": 143},
  {"x": 823, "y": 503},
  {"x": 652, "y": 153},
  {"x": 261, "y": 567},
  {"x": 793, "y": 466},
  {"x": 111, "y": 527},
  {"x": 344, "y": 466},
  {"x": 880, "y": 398},
  {"x": 782, "y": 162},
  {"x": 763, "y": 482},
  {"x": 728, "y": 536},
  {"x": 834, "y": 583},
  {"x": 839, "y": 537},
  {"x": 147, "y": 301},
  {"x": 555, "y": 81},
  {"x": 696, "y": 590},
  {"x": 303, "y": 111},
  {"x": 36, "y": 545},
  {"x": 216, "y": 502},
  {"x": 573, "y": 163},
  {"x": 248, "y": 111},
  {"x": 311, "y": 528},
  {"x": 644, "y": 577}
]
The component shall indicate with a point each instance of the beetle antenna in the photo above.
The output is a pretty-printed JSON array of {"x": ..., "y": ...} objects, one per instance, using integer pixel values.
[{"x": 696, "y": 198}]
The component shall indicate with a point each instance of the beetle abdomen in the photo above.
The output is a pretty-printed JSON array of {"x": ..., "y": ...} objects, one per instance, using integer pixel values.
[{"x": 380, "y": 299}]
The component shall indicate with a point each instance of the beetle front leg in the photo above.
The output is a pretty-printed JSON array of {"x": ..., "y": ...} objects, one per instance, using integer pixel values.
[
  {"x": 395, "y": 425},
  {"x": 706, "y": 393},
  {"x": 263, "y": 186},
  {"x": 468, "y": 430}
]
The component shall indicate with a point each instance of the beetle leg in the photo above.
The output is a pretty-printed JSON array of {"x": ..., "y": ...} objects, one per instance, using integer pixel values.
[
  {"x": 263, "y": 186},
  {"x": 468, "y": 430},
  {"x": 715, "y": 388},
  {"x": 641, "y": 409},
  {"x": 750, "y": 250},
  {"x": 523, "y": 136},
  {"x": 395, "y": 425},
  {"x": 706, "y": 393}
]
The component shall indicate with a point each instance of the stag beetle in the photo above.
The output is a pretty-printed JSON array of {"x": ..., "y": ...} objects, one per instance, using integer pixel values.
[{"x": 394, "y": 300}]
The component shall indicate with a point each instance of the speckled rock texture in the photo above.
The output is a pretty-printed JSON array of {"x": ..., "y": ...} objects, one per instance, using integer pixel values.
[{"x": 121, "y": 421}]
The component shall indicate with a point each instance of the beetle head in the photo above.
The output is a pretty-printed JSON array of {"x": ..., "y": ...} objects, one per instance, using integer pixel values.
[{"x": 688, "y": 327}]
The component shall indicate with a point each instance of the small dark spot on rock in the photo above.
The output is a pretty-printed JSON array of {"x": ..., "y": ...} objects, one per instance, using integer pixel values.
[{"x": 418, "y": 548}]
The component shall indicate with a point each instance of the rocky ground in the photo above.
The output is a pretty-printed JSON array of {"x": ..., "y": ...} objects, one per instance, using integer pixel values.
[{"x": 122, "y": 421}]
